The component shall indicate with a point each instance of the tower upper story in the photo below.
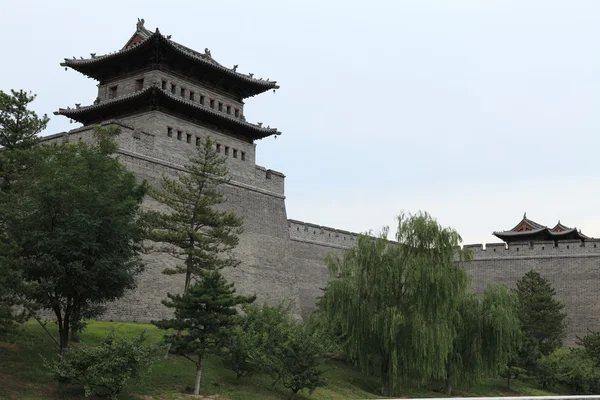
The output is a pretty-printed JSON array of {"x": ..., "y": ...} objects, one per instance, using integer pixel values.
[{"x": 176, "y": 95}]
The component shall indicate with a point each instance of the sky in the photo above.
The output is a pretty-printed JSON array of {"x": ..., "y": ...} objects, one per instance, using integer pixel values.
[{"x": 474, "y": 111}]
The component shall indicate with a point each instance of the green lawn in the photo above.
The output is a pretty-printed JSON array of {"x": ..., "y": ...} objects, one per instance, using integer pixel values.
[{"x": 23, "y": 376}]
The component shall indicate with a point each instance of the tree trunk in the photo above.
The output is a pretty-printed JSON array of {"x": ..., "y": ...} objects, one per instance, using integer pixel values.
[
  {"x": 449, "y": 384},
  {"x": 508, "y": 380},
  {"x": 294, "y": 394},
  {"x": 385, "y": 377},
  {"x": 198, "y": 374}
]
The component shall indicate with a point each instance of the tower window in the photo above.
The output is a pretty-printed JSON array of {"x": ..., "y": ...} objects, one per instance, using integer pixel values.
[
  {"x": 169, "y": 131},
  {"x": 212, "y": 103},
  {"x": 188, "y": 138},
  {"x": 112, "y": 92},
  {"x": 173, "y": 88},
  {"x": 139, "y": 84},
  {"x": 197, "y": 141},
  {"x": 234, "y": 153},
  {"x": 220, "y": 106},
  {"x": 237, "y": 113},
  {"x": 228, "y": 109},
  {"x": 226, "y": 150},
  {"x": 192, "y": 95},
  {"x": 201, "y": 99},
  {"x": 164, "y": 85},
  {"x": 183, "y": 93},
  {"x": 218, "y": 147},
  {"x": 243, "y": 156},
  {"x": 179, "y": 133}
]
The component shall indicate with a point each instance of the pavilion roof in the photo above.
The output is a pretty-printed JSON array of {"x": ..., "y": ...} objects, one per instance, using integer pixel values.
[
  {"x": 528, "y": 230},
  {"x": 153, "y": 98},
  {"x": 144, "y": 40}
]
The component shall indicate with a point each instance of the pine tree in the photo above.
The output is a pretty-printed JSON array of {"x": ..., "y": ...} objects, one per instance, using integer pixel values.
[
  {"x": 193, "y": 229},
  {"x": 19, "y": 127},
  {"x": 205, "y": 317},
  {"x": 541, "y": 318}
]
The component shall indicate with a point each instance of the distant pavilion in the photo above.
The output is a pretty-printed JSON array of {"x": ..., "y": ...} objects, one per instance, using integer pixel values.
[{"x": 530, "y": 231}]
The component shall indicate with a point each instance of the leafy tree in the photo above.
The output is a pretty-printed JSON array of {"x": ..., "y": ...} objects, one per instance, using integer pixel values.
[
  {"x": 268, "y": 339},
  {"x": 540, "y": 313},
  {"x": 104, "y": 370},
  {"x": 253, "y": 336},
  {"x": 296, "y": 357},
  {"x": 591, "y": 345},
  {"x": 192, "y": 228},
  {"x": 394, "y": 301},
  {"x": 204, "y": 316},
  {"x": 72, "y": 218},
  {"x": 487, "y": 334}
]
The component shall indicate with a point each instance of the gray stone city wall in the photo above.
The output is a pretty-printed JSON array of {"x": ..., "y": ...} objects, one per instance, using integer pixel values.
[
  {"x": 127, "y": 85},
  {"x": 282, "y": 259}
]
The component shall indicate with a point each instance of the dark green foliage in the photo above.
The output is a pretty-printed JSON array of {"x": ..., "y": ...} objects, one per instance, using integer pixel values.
[
  {"x": 511, "y": 371},
  {"x": 487, "y": 333},
  {"x": 591, "y": 346},
  {"x": 542, "y": 321},
  {"x": 204, "y": 318},
  {"x": 268, "y": 339},
  {"x": 252, "y": 336},
  {"x": 104, "y": 370},
  {"x": 71, "y": 218},
  {"x": 193, "y": 230},
  {"x": 540, "y": 313},
  {"x": 394, "y": 302},
  {"x": 18, "y": 129},
  {"x": 19, "y": 125},
  {"x": 569, "y": 367},
  {"x": 296, "y": 357}
]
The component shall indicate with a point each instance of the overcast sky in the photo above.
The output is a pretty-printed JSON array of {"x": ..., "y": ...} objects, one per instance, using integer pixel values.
[{"x": 475, "y": 111}]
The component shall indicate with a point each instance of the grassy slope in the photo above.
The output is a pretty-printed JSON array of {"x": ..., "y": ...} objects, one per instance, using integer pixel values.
[{"x": 22, "y": 375}]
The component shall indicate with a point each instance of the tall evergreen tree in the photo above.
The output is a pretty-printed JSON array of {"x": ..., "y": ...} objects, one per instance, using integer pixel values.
[
  {"x": 72, "y": 219},
  {"x": 487, "y": 334},
  {"x": 192, "y": 228},
  {"x": 205, "y": 317},
  {"x": 542, "y": 319},
  {"x": 394, "y": 301},
  {"x": 19, "y": 127}
]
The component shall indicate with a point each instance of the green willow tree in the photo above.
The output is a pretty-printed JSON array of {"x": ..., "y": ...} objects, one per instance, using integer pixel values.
[
  {"x": 72, "y": 217},
  {"x": 205, "y": 317},
  {"x": 393, "y": 301},
  {"x": 193, "y": 229},
  {"x": 487, "y": 334}
]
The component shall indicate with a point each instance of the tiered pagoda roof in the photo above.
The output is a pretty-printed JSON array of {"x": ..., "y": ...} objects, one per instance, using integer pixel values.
[
  {"x": 148, "y": 49},
  {"x": 530, "y": 231},
  {"x": 155, "y": 98}
]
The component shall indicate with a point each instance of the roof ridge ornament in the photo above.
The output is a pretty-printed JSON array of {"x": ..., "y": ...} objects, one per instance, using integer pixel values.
[
  {"x": 525, "y": 215},
  {"x": 207, "y": 52},
  {"x": 140, "y": 24}
]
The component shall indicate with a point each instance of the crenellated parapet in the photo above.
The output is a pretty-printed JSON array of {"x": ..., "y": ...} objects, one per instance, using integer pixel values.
[
  {"x": 542, "y": 249},
  {"x": 312, "y": 233}
]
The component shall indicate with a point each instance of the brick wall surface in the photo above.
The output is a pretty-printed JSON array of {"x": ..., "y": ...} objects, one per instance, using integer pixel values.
[{"x": 283, "y": 260}]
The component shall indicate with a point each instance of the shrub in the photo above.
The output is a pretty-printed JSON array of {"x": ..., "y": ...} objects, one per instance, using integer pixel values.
[
  {"x": 104, "y": 370},
  {"x": 591, "y": 345},
  {"x": 270, "y": 340},
  {"x": 569, "y": 367}
]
